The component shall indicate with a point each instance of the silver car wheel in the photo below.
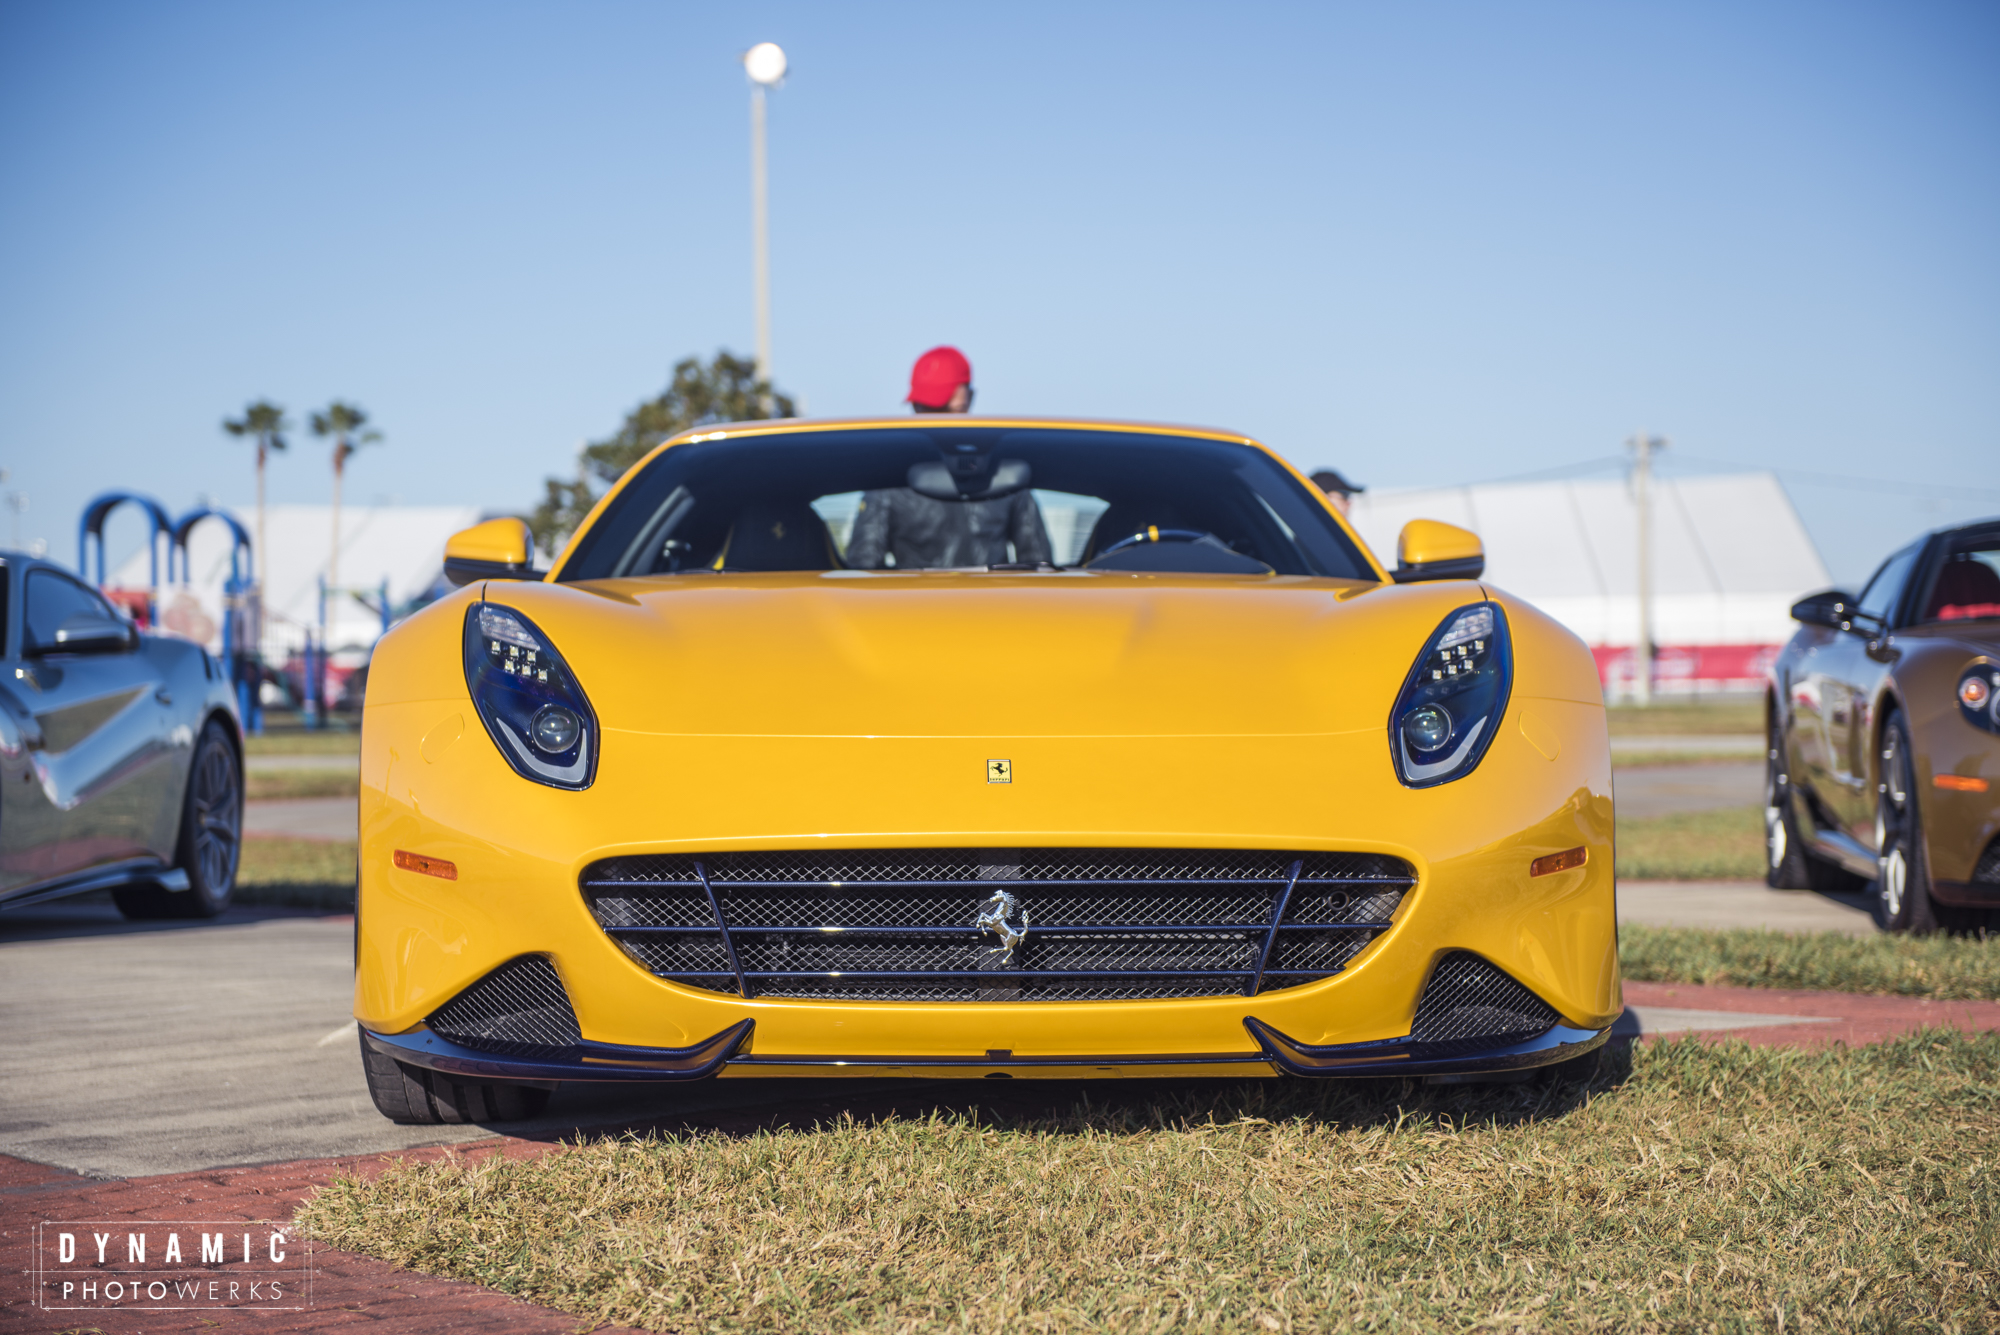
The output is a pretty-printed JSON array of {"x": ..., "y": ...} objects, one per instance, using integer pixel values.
[{"x": 1895, "y": 876}]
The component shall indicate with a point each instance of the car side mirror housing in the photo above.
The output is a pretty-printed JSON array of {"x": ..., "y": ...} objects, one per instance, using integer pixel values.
[
  {"x": 1832, "y": 608},
  {"x": 89, "y": 633},
  {"x": 1427, "y": 549},
  {"x": 496, "y": 549}
]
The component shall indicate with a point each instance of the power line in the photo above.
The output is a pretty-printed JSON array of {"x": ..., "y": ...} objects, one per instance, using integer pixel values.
[{"x": 1814, "y": 478}]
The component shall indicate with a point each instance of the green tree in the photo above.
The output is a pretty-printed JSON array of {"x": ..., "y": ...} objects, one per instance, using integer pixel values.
[
  {"x": 264, "y": 422},
  {"x": 725, "y": 390},
  {"x": 348, "y": 426}
]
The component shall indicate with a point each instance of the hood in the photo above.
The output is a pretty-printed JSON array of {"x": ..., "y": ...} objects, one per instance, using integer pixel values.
[{"x": 988, "y": 655}]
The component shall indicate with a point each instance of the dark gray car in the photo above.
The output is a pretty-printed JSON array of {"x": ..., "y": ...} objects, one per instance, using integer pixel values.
[{"x": 121, "y": 755}]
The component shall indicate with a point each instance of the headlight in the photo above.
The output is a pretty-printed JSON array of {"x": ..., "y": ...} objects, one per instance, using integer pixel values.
[
  {"x": 531, "y": 705},
  {"x": 1979, "y": 696},
  {"x": 1451, "y": 705}
]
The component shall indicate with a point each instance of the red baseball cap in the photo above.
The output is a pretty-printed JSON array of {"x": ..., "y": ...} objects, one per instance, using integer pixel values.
[{"x": 937, "y": 373}]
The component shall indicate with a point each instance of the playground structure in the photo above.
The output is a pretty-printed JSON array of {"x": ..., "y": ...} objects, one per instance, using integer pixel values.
[{"x": 241, "y": 622}]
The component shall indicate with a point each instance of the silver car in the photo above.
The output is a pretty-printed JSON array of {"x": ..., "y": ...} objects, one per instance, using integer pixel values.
[{"x": 121, "y": 755}]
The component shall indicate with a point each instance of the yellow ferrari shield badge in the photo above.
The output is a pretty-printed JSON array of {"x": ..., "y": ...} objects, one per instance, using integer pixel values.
[{"x": 999, "y": 771}]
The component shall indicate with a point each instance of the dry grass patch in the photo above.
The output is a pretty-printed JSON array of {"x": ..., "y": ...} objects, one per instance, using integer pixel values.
[
  {"x": 298, "y": 873},
  {"x": 262, "y": 785},
  {"x": 1695, "y": 846},
  {"x": 1705, "y": 1187},
  {"x": 1689, "y": 717}
]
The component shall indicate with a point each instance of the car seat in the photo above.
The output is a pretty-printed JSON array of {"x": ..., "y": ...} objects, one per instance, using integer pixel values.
[
  {"x": 778, "y": 535},
  {"x": 1966, "y": 587}
]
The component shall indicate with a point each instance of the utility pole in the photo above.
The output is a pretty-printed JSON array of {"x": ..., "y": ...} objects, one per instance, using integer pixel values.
[
  {"x": 765, "y": 64},
  {"x": 1642, "y": 447}
]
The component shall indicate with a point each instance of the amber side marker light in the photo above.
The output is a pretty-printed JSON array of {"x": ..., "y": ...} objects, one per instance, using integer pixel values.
[
  {"x": 417, "y": 862},
  {"x": 1960, "y": 783},
  {"x": 1554, "y": 862}
]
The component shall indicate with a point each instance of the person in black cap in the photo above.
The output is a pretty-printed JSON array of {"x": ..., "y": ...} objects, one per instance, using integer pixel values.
[
  {"x": 1337, "y": 488},
  {"x": 915, "y": 531}
]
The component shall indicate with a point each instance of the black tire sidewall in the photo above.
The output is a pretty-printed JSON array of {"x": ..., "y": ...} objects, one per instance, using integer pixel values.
[
  {"x": 203, "y": 899},
  {"x": 1916, "y": 914}
]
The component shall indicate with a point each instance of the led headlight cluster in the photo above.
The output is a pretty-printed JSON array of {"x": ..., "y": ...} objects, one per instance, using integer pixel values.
[
  {"x": 1451, "y": 705},
  {"x": 1979, "y": 696},
  {"x": 531, "y": 705}
]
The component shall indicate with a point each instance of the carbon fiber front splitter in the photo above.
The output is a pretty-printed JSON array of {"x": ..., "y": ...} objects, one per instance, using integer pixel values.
[
  {"x": 613, "y": 1062},
  {"x": 1401, "y": 1056},
  {"x": 579, "y": 1061}
]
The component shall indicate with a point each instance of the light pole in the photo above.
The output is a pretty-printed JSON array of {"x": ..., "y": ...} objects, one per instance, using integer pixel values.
[
  {"x": 765, "y": 64},
  {"x": 1642, "y": 447}
]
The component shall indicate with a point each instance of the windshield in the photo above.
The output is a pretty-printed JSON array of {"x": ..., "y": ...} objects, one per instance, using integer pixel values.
[{"x": 936, "y": 498}]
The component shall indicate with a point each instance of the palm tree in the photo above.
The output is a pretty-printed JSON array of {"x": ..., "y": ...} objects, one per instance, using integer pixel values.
[
  {"x": 345, "y": 423},
  {"x": 265, "y": 421}
]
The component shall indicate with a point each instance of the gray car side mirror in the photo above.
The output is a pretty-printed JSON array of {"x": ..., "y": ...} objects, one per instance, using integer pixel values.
[
  {"x": 1832, "y": 608},
  {"x": 89, "y": 633}
]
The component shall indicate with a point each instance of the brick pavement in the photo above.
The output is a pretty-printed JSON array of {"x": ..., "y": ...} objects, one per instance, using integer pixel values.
[
  {"x": 1856, "y": 1019},
  {"x": 357, "y": 1291}
]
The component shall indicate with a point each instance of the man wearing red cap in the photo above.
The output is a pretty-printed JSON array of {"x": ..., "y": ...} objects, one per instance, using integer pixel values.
[
  {"x": 920, "y": 532},
  {"x": 941, "y": 382}
]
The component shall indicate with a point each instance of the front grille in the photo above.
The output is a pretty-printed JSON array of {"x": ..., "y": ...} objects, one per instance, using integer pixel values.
[
  {"x": 902, "y": 924},
  {"x": 519, "y": 1009},
  {"x": 1467, "y": 998}
]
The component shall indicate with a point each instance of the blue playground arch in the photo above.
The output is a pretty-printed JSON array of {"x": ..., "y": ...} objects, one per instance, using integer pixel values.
[
  {"x": 236, "y": 654},
  {"x": 92, "y": 526}
]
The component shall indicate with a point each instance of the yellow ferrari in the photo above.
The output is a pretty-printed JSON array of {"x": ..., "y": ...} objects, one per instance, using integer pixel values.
[{"x": 975, "y": 747}]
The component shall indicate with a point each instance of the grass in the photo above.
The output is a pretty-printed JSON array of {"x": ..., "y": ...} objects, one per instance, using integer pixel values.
[
  {"x": 1650, "y": 759},
  {"x": 1944, "y": 968},
  {"x": 1732, "y": 715},
  {"x": 1696, "y": 846},
  {"x": 265, "y": 785},
  {"x": 283, "y": 735},
  {"x": 297, "y": 873},
  {"x": 1690, "y": 1187}
]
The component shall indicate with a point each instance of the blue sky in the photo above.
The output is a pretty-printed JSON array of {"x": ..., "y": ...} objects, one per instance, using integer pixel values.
[{"x": 1428, "y": 243}]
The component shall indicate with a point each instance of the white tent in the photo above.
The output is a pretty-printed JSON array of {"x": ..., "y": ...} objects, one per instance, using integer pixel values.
[
  {"x": 1729, "y": 557},
  {"x": 402, "y": 544}
]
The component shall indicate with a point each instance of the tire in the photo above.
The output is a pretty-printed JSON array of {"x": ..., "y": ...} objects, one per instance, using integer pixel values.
[
  {"x": 211, "y": 837},
  {"x": 1789, "y": 864},
  {"x": 1904, "y": 882},
  {"x": 415, "y": 1096}
]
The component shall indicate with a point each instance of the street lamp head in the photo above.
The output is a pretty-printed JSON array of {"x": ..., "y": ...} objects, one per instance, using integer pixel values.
[{"x": 765, "y": 64}]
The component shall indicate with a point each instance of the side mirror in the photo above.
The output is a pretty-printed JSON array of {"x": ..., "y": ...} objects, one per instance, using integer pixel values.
[
  {"x": 89, "y": 633},
  {"x": 1427, "y": 549},
  {"x": 1832, "y": 608},
  {"x": 496, "y": 549}
]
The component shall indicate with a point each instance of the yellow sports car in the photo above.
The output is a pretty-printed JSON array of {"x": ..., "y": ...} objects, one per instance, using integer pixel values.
[{"x": 974, "y": 747}]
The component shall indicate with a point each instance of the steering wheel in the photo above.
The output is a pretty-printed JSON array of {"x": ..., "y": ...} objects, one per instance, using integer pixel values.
[{"x": 1154, "y": 533}]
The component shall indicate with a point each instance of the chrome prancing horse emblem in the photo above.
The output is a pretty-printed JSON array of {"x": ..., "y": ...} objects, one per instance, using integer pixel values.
[{"x": 1003, "y": 916}]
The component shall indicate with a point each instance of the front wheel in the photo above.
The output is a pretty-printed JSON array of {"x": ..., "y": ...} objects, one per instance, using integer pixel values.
[{"x": 413, "y": 1095}]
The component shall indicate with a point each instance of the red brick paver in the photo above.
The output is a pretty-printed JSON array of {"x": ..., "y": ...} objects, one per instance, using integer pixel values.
[
  {"x": 349, "y": 1291},
  {"x": 1856, "y": 1019}
]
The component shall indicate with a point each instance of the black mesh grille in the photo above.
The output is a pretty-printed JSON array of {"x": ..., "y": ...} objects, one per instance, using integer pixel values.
[
  {"x": 1188, "y": 922},
  {"x": 1467, "y": 998},
  {"x": 520, "y": 1009},
  {"x": 1988, "y": 870}
]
